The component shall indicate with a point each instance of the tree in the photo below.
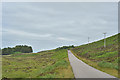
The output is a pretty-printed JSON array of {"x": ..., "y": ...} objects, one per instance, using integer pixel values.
[
  {"x": 18, "y": 48},
  {"x": 66, "y": 47}
]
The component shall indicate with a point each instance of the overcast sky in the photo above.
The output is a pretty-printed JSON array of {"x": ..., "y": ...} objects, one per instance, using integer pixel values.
[{"x": 50, "y": 25}]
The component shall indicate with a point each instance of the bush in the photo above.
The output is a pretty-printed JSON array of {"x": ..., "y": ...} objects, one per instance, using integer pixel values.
[{"x": 65, "y": 47}]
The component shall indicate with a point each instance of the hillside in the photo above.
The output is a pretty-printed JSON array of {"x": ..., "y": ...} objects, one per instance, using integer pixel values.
[
  {"x": 94, "y": 54},
  {"x": 46, "y": 64},
  {"x": 55, "y": 63}
]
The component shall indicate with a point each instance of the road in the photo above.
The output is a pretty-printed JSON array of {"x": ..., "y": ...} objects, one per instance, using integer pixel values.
[{"x": 82, "y": 70}]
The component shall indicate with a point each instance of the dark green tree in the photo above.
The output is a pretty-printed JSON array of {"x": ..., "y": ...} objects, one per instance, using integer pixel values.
[{"x": 18, "y": 48}]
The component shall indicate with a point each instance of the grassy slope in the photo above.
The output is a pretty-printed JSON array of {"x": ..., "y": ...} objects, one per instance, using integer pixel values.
[
  {"x": 49, "y": 64},
  {"x": 94, "y": 54}
]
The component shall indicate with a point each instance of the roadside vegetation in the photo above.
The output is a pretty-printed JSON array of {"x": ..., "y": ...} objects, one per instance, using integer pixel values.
[
  {"x": 104, "y": 59},
  {"x": 46, "y": 64}
]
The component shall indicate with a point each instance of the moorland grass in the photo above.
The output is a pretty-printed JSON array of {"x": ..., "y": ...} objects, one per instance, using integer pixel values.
[{"x": 47, "y": 64}]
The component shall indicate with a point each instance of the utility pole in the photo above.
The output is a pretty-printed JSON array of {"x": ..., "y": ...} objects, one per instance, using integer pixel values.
[
  {"x": 104, "y": 39},
  {"x": 88, "y": 40}
]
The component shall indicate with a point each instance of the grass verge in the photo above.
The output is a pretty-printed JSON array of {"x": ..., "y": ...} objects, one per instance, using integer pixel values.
[{"x": 110, "y": 71}]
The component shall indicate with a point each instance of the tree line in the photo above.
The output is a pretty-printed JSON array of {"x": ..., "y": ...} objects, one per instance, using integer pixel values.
[
  {"x": 18, "y": 48},
  {"x": 66, "y": 47}
]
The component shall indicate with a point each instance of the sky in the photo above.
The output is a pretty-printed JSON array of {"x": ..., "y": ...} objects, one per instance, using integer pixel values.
[
  {"x": 59, "y": 0},
  {"x": 48, "y": 25}
]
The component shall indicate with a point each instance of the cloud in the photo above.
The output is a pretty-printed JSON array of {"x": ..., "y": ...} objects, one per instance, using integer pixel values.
[
  {"x": 25, "y": 34},
  {"x": 65, "y": 39},
  {"x": 49, "y": 25}
]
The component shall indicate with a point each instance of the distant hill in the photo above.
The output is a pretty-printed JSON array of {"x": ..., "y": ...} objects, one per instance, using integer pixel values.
[{"x": 95, "y": 52}]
